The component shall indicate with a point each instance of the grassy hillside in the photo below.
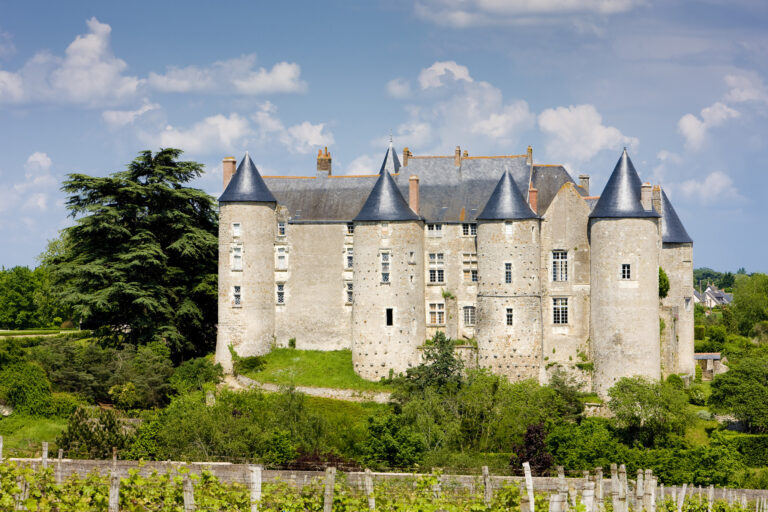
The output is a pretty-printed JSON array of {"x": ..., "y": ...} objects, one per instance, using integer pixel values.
[{"x": 23, "y": 435}]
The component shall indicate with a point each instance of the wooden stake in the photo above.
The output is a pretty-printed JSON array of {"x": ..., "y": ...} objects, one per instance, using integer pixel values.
[
  {"x": 189, "y": 494},
  {"x": 615, "y": 489},
  {"x": 330, "y": 480},
  {"x": 681, "y": 498},
  {"x": 255, "y": 484},
  {"x": 599, "y": 487},
  {"x": 623, "y": 489},
  {"x": 529, "y": 483},
  {"x": 588, "y": 496},
  {"x": 487, "y": 487},
  {"x": 114, "y": 493},
  {"x": 58, "y": 467},
  {"x": 369, "y": 490},
  {"x": 44, "y": 457}
]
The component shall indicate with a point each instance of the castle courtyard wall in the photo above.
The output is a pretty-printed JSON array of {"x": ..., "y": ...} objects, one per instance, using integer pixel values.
[{"x": 677, "y": 262}]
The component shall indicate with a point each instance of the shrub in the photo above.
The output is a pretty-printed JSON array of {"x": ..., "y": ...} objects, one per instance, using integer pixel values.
[
  {"x": 63, "y": 405},
  {"x": 663, "y": 283},
  {"x": 697, "y": 394},
  {"x": 192, "y": 375},
  {"x": 699, "y": 332},
  {"x": 675, "y": 381},
  {"x": 92, "y": 434},
  {"x": 25, "y": 387}
]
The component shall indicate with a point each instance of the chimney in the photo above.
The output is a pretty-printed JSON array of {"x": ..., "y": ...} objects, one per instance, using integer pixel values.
[
  {"x": 466, "y": 154},
  {"x": 323, "y": 162},
  {"x": 657, "y": 198},
  {"x": 529, "y": 158},
  {"x": 584, "y": 182},
  {"x": 533, "y": 199},
  {"x": 228, "y": 167},
  {"x": 457, "y": 157},
  {"x": 645, "y": 196},
  {"x": 413, "y": 193},
  {"x": 406, "y": 154}
]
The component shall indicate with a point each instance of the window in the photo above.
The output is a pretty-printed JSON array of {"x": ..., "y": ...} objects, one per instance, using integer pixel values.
[
  {"x": 436, "y": 270},
  {"x": 350, "y": 292},
  {"x": 235, "y": 229},
  {"x": 626, "y": 271},
  {"x": 559, "y": 265},
  {"x": 507, "y": 273},
  {"x": 560, "y": 310},
  {"x": 390, "y": 317},
  {"x": 384, "y": 267},
  {"x": 437, "y": 313},
  {"x": 687, "y": 303},
  {"x": 236, "y": 296},
  {"x": 280, "y": 293},
  {"x": 469, "y": 316},
  {"x": 434, "y": 230},
  {"x": 350, "y": 228},
  {"x": 350, "y": 258},
  {"x": 509, "y": 228},
  {"x": 282, "y": 258},
  {"x": 385, "y": 229},
  {"x": 237, "y": 258},
  {"x": 510, "y": 316},
  {"x": 469, "y": 264},
  {"x": 281, "y": 229},
  {"x": 469, "y": 229}
]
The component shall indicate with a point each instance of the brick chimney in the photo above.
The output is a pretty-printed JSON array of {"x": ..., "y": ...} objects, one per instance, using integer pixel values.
[
  {"x": 228, "y": 168},
  {"x": 529, "y": 157},
  {"x": 413, "y": 193},
  {"x": 466, "y": 154},
  {"x": 533, "y": 199},
  {"x": 645, "y": 196},
  {"x": 457, "y": 157},
  {"x": 584, "y": 182},
  {"x": 657, "y": 198},
  {"x": 323, "y": 162},
  {"x": 406, "y": 153}
]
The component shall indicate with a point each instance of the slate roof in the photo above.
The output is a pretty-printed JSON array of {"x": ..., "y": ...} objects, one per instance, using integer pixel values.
[
  {"x": 707, "y": 355},
  {"x": 672, "y": 229},
  {"x": 247, "y": 185},
  {"x": 506, "y": 202},
  {"x": 621, "y": 195},
  {"x": 385, "y": 202},
  {"x": 391, "y": 163}
]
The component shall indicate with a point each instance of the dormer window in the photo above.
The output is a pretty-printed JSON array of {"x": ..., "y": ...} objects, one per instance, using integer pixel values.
[{"x": 434, "y": 230}]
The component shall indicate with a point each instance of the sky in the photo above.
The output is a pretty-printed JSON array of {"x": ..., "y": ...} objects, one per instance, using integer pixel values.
[{"x": 85, "y": 86}]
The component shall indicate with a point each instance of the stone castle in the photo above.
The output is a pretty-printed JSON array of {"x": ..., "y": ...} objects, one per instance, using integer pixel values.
[{"x": 514, "y": 257}]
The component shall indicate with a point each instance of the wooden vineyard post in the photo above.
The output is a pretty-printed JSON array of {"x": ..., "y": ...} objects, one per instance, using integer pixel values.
[
  {"x": 588, "y": 496},
  {"x": 562, "y": 488},
  {"x": 368, "y": 484},
  {"x": 615, "y": 488},
  {"x": 681, "y": 498},
  {"x": 639, "y": 490},
  {"x": 58, "y": 466},
  {"x": 598, "y": 488},
  {"x": 189, "y": 494},
  {"x": 44, "y": 456},
  {"x": 648, "y": 482},
  {"x": 1, "y": 448},
  {"x": 254, "y": 482},
  {"x": 487, "y": 487},
  {"x": 623, "y": 488},
  {"x": 529, "y": 484},
  {"x": 330, "y": 481},
  {"x": 114, "y": 492}
]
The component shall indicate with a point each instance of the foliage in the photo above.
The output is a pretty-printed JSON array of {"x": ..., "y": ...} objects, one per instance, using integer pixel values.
[
  {"x": 533, "y": 450},
  {"x": 25, "y": 387},
  {"x": 663, "y": 283},
  {"x": 92, "y": 434},
  {"x": 392, "y": 442},
  {"x": 753, "y": 447},
  {"x": 441, "y": 367},
  {"x": 750, "y": 302},
  {"x": 140, "y": 261},
  {"x": 697, "y": 393},
  {"x": 743, "y": 392},
  {"x": 26, "y": 299},
  {"x": 22, "y": 435},
  {"x": 649, "y": 412},
  {"x": 194, "y": 374}
]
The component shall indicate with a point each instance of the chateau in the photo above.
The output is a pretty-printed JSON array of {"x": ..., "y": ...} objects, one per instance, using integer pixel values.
[{"x": 514, "y": 257}]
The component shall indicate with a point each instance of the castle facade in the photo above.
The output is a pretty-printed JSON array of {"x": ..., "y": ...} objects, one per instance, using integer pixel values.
[{"x": 514, "y": 257}]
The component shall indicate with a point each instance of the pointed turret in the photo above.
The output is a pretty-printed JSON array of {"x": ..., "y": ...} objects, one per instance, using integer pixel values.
[
  {"x": 385, "y": 202},
  {"x": 621, "y": 195},
  {"x": 247, "y": 185},
  {"x": 506, "y": 202},
  {"x": 391, "y": 163},
  {"x": 672, "y": 229}
]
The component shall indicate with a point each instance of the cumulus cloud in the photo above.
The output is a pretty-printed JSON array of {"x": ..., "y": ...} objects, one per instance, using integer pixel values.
[
  {"x": 238, "y": 75},
  {"x": 118, "y": 118},
  {"x": 7, "y": 47},
  {"x": 214, "y": 133},
  {"x": 433, "y": 75},
  {"x": 89, "y": 74},
  {"x": 746, "y": 87},
  {"x": 31, "y": 194},
  {"x": 577, "y": 133},
  {"x": 37, "y": 163},
  {"x": 399, "y": 88},
  {"x": 695, "y": 129},
  {"x": 363, "y": 164},
  {"x": 467, "y": 13},
  {"x": 299, "y": 138},
  {"x": 715, "y": 186}
]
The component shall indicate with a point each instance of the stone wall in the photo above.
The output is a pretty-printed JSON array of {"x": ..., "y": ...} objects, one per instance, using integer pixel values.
[{"x": 677, "y": 262}]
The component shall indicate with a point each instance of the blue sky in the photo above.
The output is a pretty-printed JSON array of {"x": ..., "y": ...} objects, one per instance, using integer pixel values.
[{"x": 84, "y": 86}]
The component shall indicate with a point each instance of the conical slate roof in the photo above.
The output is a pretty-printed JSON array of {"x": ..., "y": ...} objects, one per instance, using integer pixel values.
[
  {"x": 672, "y": 229},
  {"x": 391, "y": 162},
  {"x": 385, "y": 202},
  {"x": 506, "y": 202},
  {"x": 247, "y": 185},
  {"x": 621, "y": 195}
]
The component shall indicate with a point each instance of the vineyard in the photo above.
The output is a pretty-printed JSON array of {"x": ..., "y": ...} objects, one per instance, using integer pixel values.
[{"x": 36, "y": 486}]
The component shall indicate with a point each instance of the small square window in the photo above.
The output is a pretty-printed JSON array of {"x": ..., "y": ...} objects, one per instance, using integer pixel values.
[
  {"x": 509, "y": 228},
  {"x": 281, "y": 293},
  {"x": 282, "y": 258},
  {"x": 237, "y": 258},
  {"x": 560, "y": 310},
  {"x": 390, "y": 314},
  {"x": 236, "y": 296},
  {"x": 626, "y": 271},
  {"x": 507, "y": 273},
  {"x": 469, "y": 229},
  {"x": 235, "y": 229},
  {"x": 510, "y": 316},
  {"x": 350, "y": 228},
  {"x": 350, "y": 258},
  {"x": 385, "y": 266},
  {"x": 437, "y": 313},
  {"x": 687, "y": 303},
  {"x": 469, "y": 316},
  {"x": 350, "y": 292},
  {"x": 434, "y": 230},
  {"x": 281, "y": 229}
]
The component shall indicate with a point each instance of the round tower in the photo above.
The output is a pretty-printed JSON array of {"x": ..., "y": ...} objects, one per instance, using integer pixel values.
[
  {"x": 388, "y": 311},
  {"x": 247, "y": 294},
  {"x": 624, "y": 275},
  {"x": 508, "y": 328}
]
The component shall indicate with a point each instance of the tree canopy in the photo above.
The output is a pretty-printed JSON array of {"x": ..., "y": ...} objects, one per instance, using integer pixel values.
[
  {"x": 743, "y": 392},
  {"x": 140, "y": 263}
]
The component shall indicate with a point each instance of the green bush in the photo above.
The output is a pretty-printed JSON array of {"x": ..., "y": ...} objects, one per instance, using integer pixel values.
[
  {"x": 699, "y": 332},
  {"x": 63, "y": 405},
  {"x": 25, "y": 387},
  {"x": 753, "y": 447},
  {"x": 192, "y": 375},
  {"x": 697, "y": 394},
  {"x": 91, "y": 434},
  {"x": 663, "y": 283}
]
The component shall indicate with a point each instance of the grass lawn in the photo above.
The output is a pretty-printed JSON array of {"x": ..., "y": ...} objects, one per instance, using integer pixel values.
[
  {"x": 32, "y": 332},
  {"x": 317, "y": 368},
  {"x": 23, "y": 435}
]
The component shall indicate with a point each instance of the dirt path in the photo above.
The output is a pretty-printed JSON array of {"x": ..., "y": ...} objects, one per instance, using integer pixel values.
[{"x": 350, "y": 395}]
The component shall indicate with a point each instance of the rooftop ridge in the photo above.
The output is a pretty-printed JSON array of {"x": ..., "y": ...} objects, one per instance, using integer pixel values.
[
  {"x": 506, "y": 202},
  {"x": 385, "y": 202},
  {"x": 621, "y": 195},
  {"x": 247, "y": 185}
]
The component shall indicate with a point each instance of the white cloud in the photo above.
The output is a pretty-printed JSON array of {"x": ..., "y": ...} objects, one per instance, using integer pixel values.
[
  {"x": 363, "y": 164},
  {"x": 31, "y": 194},
  {"x": 715, "y": 186},
  {"x": 746, "y": 87},
  {"x": 118, "y": 118},
  {"x": 212, "y": 134},
  {"x": 467, "y": 13},
  {"x": 695, "y": 129},
  {"x": 399, "y": 88},
  {"x": 37, "y": 163},
  {"x": 88, "y": 74},
  {"x": 577, "y": 133},
  {"x": 7, "y": 47},
  {"x": 233, "y": 75},
  {"x": 299, "y": 138},
  {"x": 433, "y": 75}
]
